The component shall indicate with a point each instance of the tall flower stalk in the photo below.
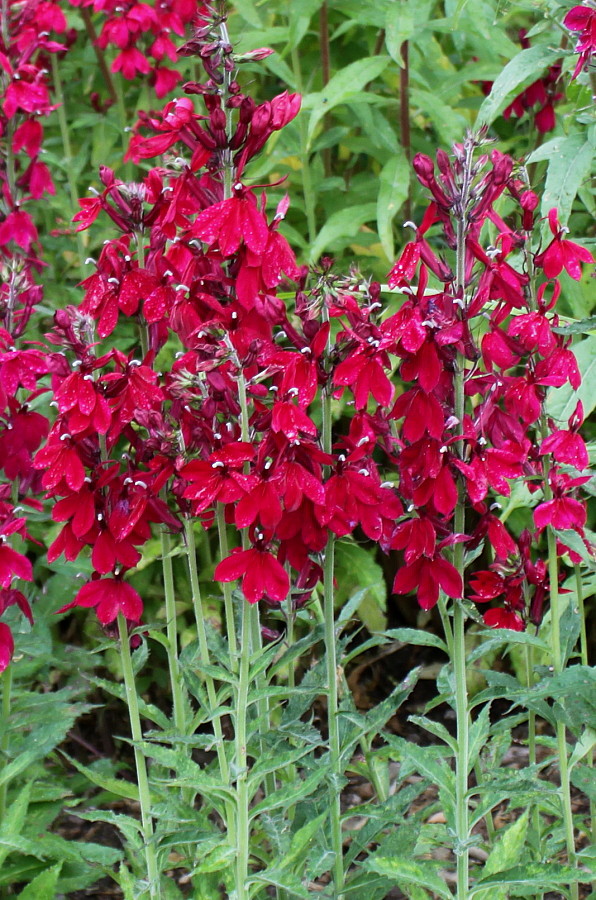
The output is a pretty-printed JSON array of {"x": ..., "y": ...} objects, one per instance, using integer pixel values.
[{"x": 153, "y": 889}]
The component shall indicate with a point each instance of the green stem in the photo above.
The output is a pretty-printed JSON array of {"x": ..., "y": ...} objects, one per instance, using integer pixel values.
[
  {"x": 529, "y": 660},
  {"x": 290, "y": 622},
  {"x": 447, "y": 629},
  {"x": 68, "y": 155},
  {"x": 581, "y": 610},
  {"x": 558, "y": 665},
  {"x": 462, "y": 826},
  {"x": 462, "y": 761},
  {"x": 332, "y": 717},
  {"x": 585, "y": 661},
  {"x": 140, "y": 762},
  {"x": 227, "y": 590},
  {"x": 304, "y": 155},
  {"x": 332, "y": 692},
  {"x": 243, "y": 819},
  {"x": 197, "y": 605},
  {"x": 5, "y": 742},
  {"x": 172, "y": 634}
]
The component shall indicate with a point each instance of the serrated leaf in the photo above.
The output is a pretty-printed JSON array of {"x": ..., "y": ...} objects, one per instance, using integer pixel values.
[
  {"x": 301, "y": 840},
  {"x": 572, "y": 540},
  {"x": 581, "y": 326},
  {"x": 406, "y": 871},
  {"x": 290, "y": 794},
  {"x": 343, "y": 85},
  {"x": 341, "y": 224},
  {"x": 585, "y": 743},
  {"x": 582, "y": 777},
  {"x": 215, "y": 860},
  {"x": 532, "y": 875},
  {"x": 43, "y": 886},
  {"x": 415, "y": 636},
  {"x": 15, "y": 818},
  {"x": 394, "y": 182},
  {"x": 519, "y": 71},
  {"x": 427, "y": 761},
  {"x": 506, "y": 853},
  {"x": 116, "y": 786}
]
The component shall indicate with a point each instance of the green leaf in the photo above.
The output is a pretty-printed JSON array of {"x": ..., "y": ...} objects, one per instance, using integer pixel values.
[
  {"x": 540, "y": 875},
  {"x": 290, "y": 794},
  {"x": 399, "y": 27},
  {"x": 427, "y": 761},
  {"x": 116, "y": 786},
  {"x": 582, "y": 778},
  {"x": 15, "y": 818},
  {"x": 416, "y": 636},
  {"x": 301, "y": 841},
  {"x": 566, "y": 171},
  {"x": 343, "y": 85},
  {"x": 521, "y": 70},
  {"x": 43, "y": 886},
  {"x": 394, "y": 182},
  {"x": 215, "y": 860},
  {"x": 561, "y": 402},
  {"x": 572, "y": 540},
  {"x": 579, "y": 326},
  {"x": 341, "y": 224},
  {"x": 407, "y": 871},
  {"x": 355, "y": 567},
  {"x": 506, "y": 853},
  {"x": 300, "y": 13},
  {"x": 582, "y": 748}
]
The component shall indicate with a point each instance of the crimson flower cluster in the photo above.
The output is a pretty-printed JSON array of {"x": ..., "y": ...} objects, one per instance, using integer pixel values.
[
  {"x": 485, "y": 328},
  {"x": 141, "y": 35},
  {"x": 25, "y": 43},
  {"x": 231, "y": 426}
]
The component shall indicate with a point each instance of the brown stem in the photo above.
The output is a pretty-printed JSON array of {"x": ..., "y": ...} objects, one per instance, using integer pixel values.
[
  {"x": 326, "y": 73},
  {"x": 404, "y": 115},
  {"x": 101, "y": 60}
]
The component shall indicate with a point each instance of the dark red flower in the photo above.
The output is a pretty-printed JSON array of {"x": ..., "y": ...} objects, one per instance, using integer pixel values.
[
  {"x": 111, "y": 596},
  {"x": 262, "y": 574},
  {"x": 562, "y": 254}
]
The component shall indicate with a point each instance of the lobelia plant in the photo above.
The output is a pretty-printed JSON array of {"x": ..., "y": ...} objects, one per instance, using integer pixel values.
[{"x": 199, "y": 393}]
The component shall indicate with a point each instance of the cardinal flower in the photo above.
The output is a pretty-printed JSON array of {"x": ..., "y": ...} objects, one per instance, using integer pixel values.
[
  {"x": 262, "y": 574},
  {"x": 562, "y": 254},
  {"x": 111, "y": 596}
]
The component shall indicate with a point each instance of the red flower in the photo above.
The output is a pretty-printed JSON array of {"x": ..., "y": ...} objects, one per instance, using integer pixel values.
[
  {"x": 111, "y": 596},
  {"x": 229, "y": 223},
  {"x": 568, "y": 446},
  {"x": 426, "y": 575},
  {"x": 6, "y": 646},
  {"x": 563, "y": 511},
  {"x": 13, "y": 564},
  {"x": 582, "y": 19},
  {"x": 562, "y": 254},
  {"x": 503, "y": 618},
  {"x": 218, "y": 478},
  {"x": 262, "y": 574}
]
